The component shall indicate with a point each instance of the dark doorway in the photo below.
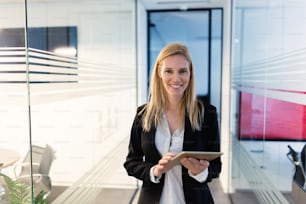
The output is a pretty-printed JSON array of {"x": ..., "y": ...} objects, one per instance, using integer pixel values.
[{"x": 201, "y": 31}]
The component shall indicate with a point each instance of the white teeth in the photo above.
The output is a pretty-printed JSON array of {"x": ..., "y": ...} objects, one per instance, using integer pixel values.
[{"x": 176, "y": 86}]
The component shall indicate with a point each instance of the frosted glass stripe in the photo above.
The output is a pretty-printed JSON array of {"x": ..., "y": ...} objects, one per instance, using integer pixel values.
[
  {"x": 58, "y": 77},
  {"x": 286, "y": 62},
  {"x": 263, "y": 188},
  {"x": 12, "y": 67},
  {"x": 5, "y": 53},
  {"x": 285, "y": 84},
  {"x": 295, "y": 86},
  {"x": 11, "y": 51},
  {"x": 54, "y": 64},
  {"x": 52, "y": 78},
  {"x": 51, "y": 63},
  {"x": 299, "y": 98},
  {"x": 44, "y": 54},
  {"x": 104, "y": 69},
  {"x": 49, "y": 69},
  {"x": 85, "y": 189},
  {"x": 280, "y": 71},
  {"x": 15, "y": 77},
  {"x": 11, "y": 48},
  {"x": 55, "y": 68},
  {"x": 73, "y": 90},
  {"x": 73, "y": 87},
  {"x": 12, "y": 60},
  {"x": 281, "y": 77},
  {"x": 47, "y": 92},
  {"x": 287, "y": 96}
]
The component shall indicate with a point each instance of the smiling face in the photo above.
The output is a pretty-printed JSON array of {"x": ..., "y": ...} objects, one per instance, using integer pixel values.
[{"x": 174, "y": 72}]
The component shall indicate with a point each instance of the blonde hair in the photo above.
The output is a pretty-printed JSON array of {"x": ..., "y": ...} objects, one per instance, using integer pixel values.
[{"x": 158, "y": 97}]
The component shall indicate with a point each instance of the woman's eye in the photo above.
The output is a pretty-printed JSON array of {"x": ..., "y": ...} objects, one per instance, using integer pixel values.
[
  {"x": 168, "y": 71},
  {"x": 183, "y": 71}
]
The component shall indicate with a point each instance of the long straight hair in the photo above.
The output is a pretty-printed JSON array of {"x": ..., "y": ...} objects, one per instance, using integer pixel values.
[{"x": 158, "y": 98}]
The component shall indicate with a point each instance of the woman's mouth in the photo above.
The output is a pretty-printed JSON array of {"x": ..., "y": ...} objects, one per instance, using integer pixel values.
[{"x": 176, "y": 86}]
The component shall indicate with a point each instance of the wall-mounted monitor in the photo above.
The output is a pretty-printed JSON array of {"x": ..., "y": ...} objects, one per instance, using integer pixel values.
[
  {"x": 42, "y": 38},
  {"x": 263, "y": 118}
]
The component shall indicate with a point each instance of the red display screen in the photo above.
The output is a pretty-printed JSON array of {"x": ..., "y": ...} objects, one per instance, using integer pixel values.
[{"x": 263, "y": 118}]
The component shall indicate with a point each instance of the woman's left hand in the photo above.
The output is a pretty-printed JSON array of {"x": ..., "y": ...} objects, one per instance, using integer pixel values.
[{"x": 195, "y": 166}]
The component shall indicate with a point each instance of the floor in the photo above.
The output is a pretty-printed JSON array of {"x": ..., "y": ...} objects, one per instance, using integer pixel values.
[
  {"x": 217, "y": 191},
  {"x": 129, "y": 196}
]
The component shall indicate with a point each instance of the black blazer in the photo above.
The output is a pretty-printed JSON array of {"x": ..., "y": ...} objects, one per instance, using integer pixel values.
[{"x": 143, "y": 154}]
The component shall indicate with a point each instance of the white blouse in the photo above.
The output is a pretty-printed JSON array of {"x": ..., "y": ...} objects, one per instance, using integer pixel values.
[{"x": 165, "y": 142}]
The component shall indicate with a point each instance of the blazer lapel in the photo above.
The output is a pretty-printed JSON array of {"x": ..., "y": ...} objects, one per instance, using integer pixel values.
[
  {"x": 149, "y": 144},
  {"x": 189, "y": 136}
]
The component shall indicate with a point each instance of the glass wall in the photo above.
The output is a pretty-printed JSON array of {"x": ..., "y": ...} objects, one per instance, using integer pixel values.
[
  {"x": 14, "y": 98},
  {"x": 68, "y": 85},
  {"x": 267, "y": 96}
]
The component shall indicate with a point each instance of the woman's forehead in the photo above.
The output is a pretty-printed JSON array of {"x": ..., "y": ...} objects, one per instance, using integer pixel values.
[{"x": 175, "y": 60}]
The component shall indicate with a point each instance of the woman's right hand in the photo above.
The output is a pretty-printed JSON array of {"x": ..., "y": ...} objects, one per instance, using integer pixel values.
[{"x": 160, "y": 168}]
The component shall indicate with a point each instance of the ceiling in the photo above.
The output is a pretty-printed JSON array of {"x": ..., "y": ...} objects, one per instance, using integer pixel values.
[
  {"x": 148, "y": 4},
  {"x": 181, "y": 4}
]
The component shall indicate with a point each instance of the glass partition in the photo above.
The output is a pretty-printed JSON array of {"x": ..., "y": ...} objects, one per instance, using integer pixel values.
[
  {"x": 75, "y": 107},
  {"x": 14, "y": 98},
  {"x": 268, "y": 97}
]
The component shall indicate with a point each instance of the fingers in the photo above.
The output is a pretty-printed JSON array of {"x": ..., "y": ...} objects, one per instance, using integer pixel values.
[
  {"x": 194, "y": 165},
  {"x": 204, "y": 163},
  {"x": 160, "y": 168},
  {"x": 197, "y": 162},
  {"x": 166, "y": 158}
]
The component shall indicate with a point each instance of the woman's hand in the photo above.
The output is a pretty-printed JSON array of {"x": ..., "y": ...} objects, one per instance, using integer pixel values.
[
  {"x": 160, "y": 168},
  {"x": 195, "y": 166}
]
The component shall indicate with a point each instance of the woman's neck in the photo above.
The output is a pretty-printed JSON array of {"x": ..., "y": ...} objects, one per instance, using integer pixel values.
[
  {"x": 174, "y": 115},
  {"x": 173, "y": 107},
  {"x": 174, "y": 103}
]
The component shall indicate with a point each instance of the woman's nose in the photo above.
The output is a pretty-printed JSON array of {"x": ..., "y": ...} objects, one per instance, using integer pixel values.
[{"x": 176, "y": 76}]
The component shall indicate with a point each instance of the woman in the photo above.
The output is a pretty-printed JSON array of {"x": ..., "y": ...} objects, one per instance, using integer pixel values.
[{"x": 172, "y": 121}]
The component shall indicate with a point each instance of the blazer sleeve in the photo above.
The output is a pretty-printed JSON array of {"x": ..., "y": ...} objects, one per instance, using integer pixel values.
[
  {"x": 213, "y": 144},
  {"x": 135, "y": 164}
]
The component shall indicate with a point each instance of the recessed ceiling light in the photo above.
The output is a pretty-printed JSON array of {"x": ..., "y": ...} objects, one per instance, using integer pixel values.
[{"x": 182, "y": 1}]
